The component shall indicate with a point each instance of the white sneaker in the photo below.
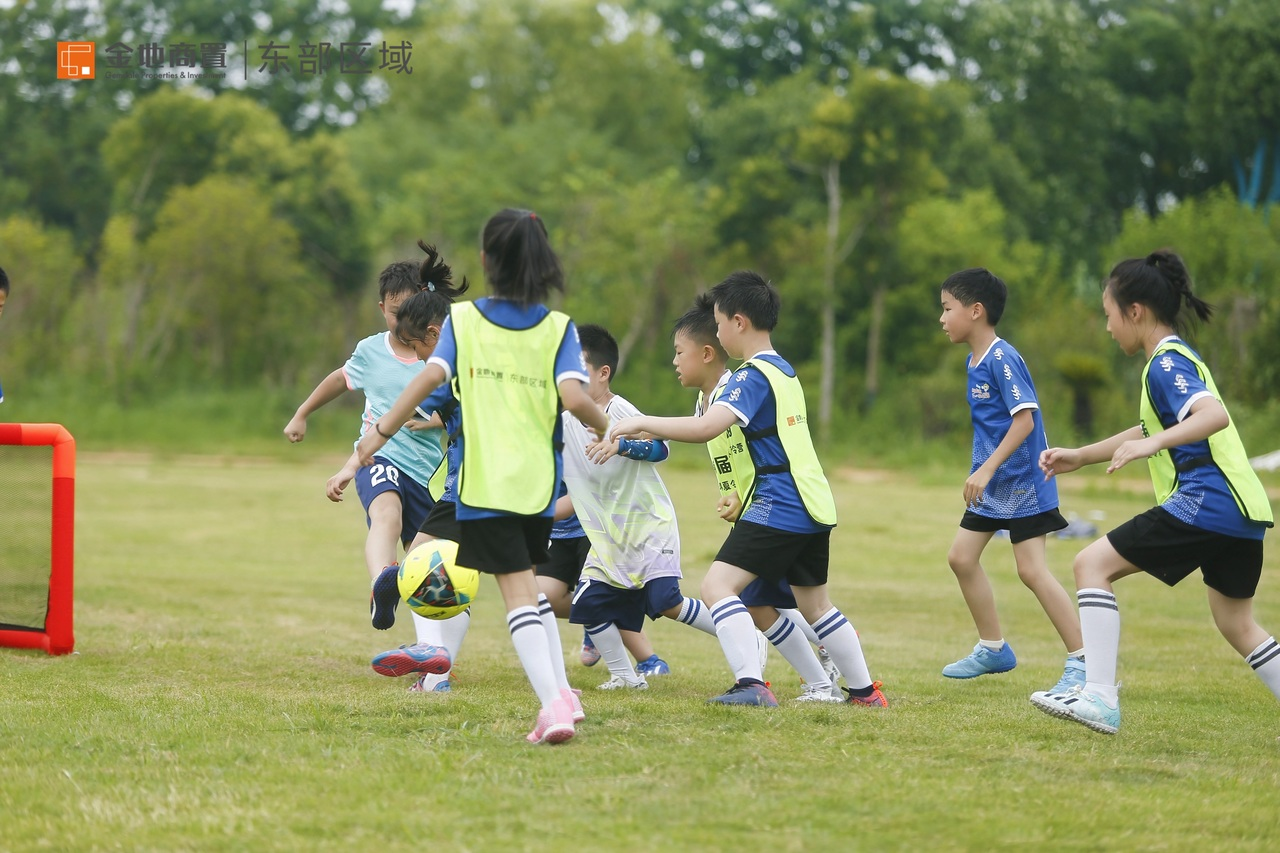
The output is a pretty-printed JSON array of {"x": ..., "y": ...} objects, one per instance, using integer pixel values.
[
  {"x": 817, "y": 693},
  {"x": 431, "y": 683},
  {"x": 620, "y": 683},
  {"x": 762, "y": 643},
  {"x": 832, "y": 671}
]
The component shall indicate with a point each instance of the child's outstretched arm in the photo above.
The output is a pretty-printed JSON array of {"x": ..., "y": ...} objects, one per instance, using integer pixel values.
[
  {"x": 330, "y": 388},
  {"x": 1063, "y": 460},
  {"x": 1023, "y": 423},
  {"x": 693, "y": 429},
  {"x": 1206, "y": 417},
  {"x": 419, "y": 388}
]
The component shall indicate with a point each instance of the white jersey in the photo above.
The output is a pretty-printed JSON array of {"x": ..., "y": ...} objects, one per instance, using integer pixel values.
[{"x": 623, "y": 507}]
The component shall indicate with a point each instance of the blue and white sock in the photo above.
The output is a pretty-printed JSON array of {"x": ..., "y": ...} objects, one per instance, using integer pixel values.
[
  {"x": 737, "y": 635},
  {"x": 696, "y": 614},
  {"x": 792, "y": 645},
  {"x": 1100, "y": 626},
  {"x": 548, "y": 617},
  {"x": 798, "y": 620},
  {"x": 530, "y": 639},
  {"x": 1265, "y": 660},
  {"x": 842, "y": 643}
]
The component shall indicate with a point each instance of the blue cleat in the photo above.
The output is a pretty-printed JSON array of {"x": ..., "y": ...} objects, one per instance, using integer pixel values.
[
  {"x": 746, "y": 693},
  {"x": 420, "y": 657},
  {"x": 384, "y": 597},
  {"x": 1080, "y": 706},
  {"x": 589, "y": 655},
  {"x": 653, "y": 665},
  {"x": 982, "y": 661},
  {"x": 1072, "y": 676}
]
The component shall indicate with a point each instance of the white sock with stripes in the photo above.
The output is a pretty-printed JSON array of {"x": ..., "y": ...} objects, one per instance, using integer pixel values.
[
  {"x": 737, "y": 635},
  {"x": 696, "y": 614},
  {"x": 1265, "y": 660},
  {"x": 530, "y": 639},
  {"x": 799, "y": 621},
  {"x": 842, "y": 643},
  {"x": 1100, "y": 626},
  {"x": 548, "y": 617},
  {"x": 793, "y": 646}
]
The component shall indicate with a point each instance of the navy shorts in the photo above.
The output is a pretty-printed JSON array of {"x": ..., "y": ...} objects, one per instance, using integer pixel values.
[
  {"x": 505, "y": 544},
  {"x": 662, "y": 594},
  {"x": 565, "y": 558},
  {"x": 442, "y": 522},
  {"x": 415, "y": 501},
  {"x": 763, "y": 593},
  {"x": 597, "y": 603},
  {"x": 766, "y": 552},
  {"x": 1170, "y": 549},
  {"x": 1020, "y": 529}
]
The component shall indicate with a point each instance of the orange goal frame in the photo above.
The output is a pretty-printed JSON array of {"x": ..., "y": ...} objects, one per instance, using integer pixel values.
[{"x": 57, "y": 637}]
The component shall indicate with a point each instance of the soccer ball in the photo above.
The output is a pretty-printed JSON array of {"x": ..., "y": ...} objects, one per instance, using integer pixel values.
[{"x": 433, "y": 584}]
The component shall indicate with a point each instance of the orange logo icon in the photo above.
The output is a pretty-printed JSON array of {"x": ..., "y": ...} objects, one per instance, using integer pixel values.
[{"x": 76, "y": 60}]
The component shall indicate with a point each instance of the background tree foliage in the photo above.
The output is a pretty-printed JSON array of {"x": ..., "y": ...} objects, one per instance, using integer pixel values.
[{"x": 164, "y": 236}]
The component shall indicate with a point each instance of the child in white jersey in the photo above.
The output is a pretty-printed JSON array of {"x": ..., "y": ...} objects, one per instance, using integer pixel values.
[{"x": 633, "y": 567}]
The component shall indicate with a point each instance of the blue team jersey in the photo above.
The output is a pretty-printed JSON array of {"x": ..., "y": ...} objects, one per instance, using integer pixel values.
[
  {"x": 1203, "y": 497},
  {"x": 999, "y": 387},
  {"x": 442, "y": 402},
  {"x": 569, "y": 364},
  {"x": 568, "y": 528},
  {"x": 375, "y": 369},
  {"x": 776, "y": 501}
]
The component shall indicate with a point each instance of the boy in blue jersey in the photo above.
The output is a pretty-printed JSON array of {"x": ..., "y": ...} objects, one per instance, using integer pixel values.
[
  {"x": 1005, "y": 490},
  {"x": 784, "y": 532}
]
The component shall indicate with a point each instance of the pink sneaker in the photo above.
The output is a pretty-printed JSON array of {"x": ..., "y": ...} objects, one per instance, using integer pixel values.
[
  {"x": 555, "y": 724},
  {"x": 574, "y": 698}
]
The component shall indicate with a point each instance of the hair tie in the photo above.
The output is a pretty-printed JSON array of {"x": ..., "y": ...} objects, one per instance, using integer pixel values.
[
  {"x": 533, "y": 215},
  {"x": 431, "y": 285}
]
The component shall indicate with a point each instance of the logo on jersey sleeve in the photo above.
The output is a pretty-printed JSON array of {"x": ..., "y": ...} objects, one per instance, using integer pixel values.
[
  {"x": 734, "y": 395},
  {"x": 1180, "y": 382},
  {"x": 1017, "y": 393},
  {"x": 999, "y": 354},
  {"x": 1166, "y": 364},
  {"x": 741, "y": 375},
  {"x": 1008, "y": 372}
]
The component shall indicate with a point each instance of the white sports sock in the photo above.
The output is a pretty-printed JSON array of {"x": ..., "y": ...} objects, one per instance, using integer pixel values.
[
  {"x": 798, "y": 620},
  {"x": 737, "y": 635},
  {"x": 608, "y": 640},
  {"x": 1265, "y": 660},
  {"x": 1100, "y": 626},
  {"x": 993, "y": 645},
  {"x": 842, "y": 643},
  {"x": 530, "y": 639},
  {"x": 793, "y": 646},
  {"x": 697, "y": 615},
  {"x": 454, "y": 631},
  {"x": 428, "y": 631},
  {"x": 548, "y": 617}
]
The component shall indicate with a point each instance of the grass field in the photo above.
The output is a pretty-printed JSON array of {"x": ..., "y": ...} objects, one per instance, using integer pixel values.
[{"x": 221, "y": 699}]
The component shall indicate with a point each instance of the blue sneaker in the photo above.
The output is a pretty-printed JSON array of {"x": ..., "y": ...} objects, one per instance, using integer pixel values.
[
  {"x": 420, "y": 657},
  {"x": 751, "y": 693},
  {"x": 589, "y": 655},
  {"x": 982, "y": 661},
  {"x": 384, "y": 597},
  {"x": 654, "y": 665},
  {"x": 1072, "y": 676},
  {"x": 1081, "y": 706}
]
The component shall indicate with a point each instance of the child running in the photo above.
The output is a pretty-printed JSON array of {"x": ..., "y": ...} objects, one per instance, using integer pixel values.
[
  {"x": 701, "y": 363},
  {"x": 785, "y": 530},
  {"x": 1005, "y": 490},
  {"x": 633, "y": 566},
  {"x": 1213, "y": 510},
  {"x": 515, "y": 361}
]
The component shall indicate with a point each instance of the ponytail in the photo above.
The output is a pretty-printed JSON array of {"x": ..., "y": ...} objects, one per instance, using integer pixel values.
[
  {"x": 1161, "y": 282},
  {"x": 519, "y": 261},
  {"x": 430, "y": 305}
]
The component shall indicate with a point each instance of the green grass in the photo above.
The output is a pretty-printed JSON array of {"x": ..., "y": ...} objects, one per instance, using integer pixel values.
[{"x": 221, "y": 699}]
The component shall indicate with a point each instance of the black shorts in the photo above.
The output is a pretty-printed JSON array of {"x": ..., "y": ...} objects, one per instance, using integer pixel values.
[
  {"x": 1169, "y": 550},
  {"x": 1020, "y": 529},
  {"x": 800, "y": 559},
  {"x": 504, "y": 545},
  {"x": 565, "y": 558},
  {"x": 442, "y": 522}
]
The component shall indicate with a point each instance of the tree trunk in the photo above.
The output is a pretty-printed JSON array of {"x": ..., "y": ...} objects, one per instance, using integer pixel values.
[
  {"x": 827, "y": 383},
  {"x": 874, "y": 331}
]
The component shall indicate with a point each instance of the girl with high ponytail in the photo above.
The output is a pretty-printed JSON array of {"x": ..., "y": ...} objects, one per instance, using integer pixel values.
[{"x": 1212, "y": 512}]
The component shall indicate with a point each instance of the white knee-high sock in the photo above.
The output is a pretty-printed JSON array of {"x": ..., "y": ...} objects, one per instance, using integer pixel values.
[
  {"x": 454, "y": 631},
  {"x": 1265, "y": 660},
  {"x": 530, "y": 639},
  {"x": 693, "y": 612},
  {"x": 737, "y": 635},
  {"x": 1100, "y": 627},
  {"x": 799, "y": 653},
  {"x": 842, "y": 643},
  {"x": 608, "y": 640},
  {"x": 548, "y": 617},
  {"x": 799, "y": 621},
  {"x": 429, "y": 631}
]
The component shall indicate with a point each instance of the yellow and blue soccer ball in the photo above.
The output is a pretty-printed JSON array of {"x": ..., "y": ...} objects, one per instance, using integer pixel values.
[{"x": 433, "y": 584}]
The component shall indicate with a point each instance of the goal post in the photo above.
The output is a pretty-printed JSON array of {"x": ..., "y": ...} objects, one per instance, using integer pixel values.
[{"x": 37, "y": 536}]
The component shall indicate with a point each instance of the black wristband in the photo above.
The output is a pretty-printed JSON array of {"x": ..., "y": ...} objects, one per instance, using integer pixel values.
[{"x": 379, "y": 430}]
